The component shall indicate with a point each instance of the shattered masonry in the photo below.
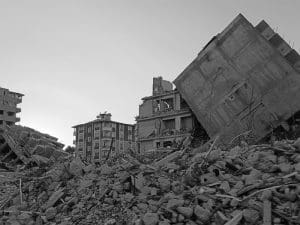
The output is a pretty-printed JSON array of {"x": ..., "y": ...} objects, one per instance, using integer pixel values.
[
  {"x": 8, "y": 107},
  {"x": 206, "y": 184},
  {"x": 97, "y": 139},
  {"x": 164, "y": 118},
  {"x": 246, "y": 79},
  {"x": 248, "y": 184}
]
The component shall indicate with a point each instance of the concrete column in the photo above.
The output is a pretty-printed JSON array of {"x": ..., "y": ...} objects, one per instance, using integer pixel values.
[
  {"x": 177, "y": 123},
  {"x": 177, "y": 102}
]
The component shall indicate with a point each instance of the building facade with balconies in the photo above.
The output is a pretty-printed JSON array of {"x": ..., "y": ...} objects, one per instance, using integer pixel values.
[
  {"x": 8, "y": 107},
  {"x": 164, "y": 118},
  {"x": 93, "y": 140}
]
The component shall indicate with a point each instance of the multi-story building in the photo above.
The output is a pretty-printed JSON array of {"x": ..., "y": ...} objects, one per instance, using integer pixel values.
[
  {"x": 95, "y": 139},
  {"x": 8, "y": 107},
  {"x": 164, "y": 118}
]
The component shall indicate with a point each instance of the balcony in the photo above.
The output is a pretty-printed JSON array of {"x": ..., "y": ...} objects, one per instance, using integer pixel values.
[
  {"x": 106, "y": 128},
  {"x": 164, "y": 113},
  {"x": 167, "y": 133},
  {"x": 12, "y": 119}
]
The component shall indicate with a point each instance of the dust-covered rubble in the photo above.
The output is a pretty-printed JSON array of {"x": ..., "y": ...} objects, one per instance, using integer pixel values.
[{"x": 247, "y": 184}]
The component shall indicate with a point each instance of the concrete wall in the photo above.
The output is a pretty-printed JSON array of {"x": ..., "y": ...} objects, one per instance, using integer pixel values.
[
  {"x": 240, "y": 82},
  {"x": 146, "y": 145},
  {"x": 145, "y": 109},
  {"x": 145, "y": 128}
]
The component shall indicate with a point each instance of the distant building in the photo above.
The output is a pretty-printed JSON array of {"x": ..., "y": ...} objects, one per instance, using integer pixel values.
[
  {"x": 8, "y": 107},
  {"x": 93, "y": 139},
  {"x": 164, "y": 118}
]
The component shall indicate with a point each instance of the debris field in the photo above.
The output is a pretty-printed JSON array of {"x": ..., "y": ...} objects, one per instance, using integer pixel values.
[{"x": 245, "y": 184}]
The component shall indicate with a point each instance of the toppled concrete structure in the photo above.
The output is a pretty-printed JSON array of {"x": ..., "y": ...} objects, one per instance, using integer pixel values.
[
  {"x": 164, "y": 119},
  {"x": 22, "y": 145},
  {"x": 246, "y": 79}
]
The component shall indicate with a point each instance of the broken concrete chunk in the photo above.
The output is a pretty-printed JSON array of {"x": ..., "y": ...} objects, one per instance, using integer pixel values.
[
  {"x": 185, "y": 211},
  {"x": 53, "y": 199},
  {"x": 285, "y": 167},
  {"x": 225, "y": 186},
  {"x": 167, "y": 159},
  {"x": 164, "y": 184},
  {"x": 297, "y": 144},
  {"x": 76, "y": 167},
  {"x": 251, "y": 215},
  {"x": 50, "y": 213},
  {"x": 201, "y": 213},
  {"x": 138, "y": 181},
  {"x": 173, "y": 203},
  {"x": 151, "y": 219},
  {"x": 106, "y": 170},
  {"x": 297, "y": 167}
]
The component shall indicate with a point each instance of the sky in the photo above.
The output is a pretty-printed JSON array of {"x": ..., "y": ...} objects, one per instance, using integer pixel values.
[{"x": 74, "y": 59}]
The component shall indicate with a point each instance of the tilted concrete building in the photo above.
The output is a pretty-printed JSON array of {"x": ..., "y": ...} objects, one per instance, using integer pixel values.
[
  {"x": 246, "y": 79},
  {"x": 164, "y": 118},
  {"x": 94, "y": 139},
  {"x": 8, "y": 107}
]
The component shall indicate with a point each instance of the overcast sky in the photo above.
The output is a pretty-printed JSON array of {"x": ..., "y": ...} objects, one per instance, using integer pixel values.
[{"x": 74, "y": 59}]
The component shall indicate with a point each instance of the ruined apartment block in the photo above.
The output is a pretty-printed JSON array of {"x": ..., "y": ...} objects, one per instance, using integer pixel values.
[
  {"x": 93, "y": 140},
  {"x": 164, "y": 118},
  {"x": 245, "y": 80},
  {"x": 8, "y": 107}
]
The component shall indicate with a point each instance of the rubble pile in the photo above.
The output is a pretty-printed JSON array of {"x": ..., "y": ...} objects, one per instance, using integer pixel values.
[
  {"x": 247, "y": 184},
  {"x": 22, "y": 145}
]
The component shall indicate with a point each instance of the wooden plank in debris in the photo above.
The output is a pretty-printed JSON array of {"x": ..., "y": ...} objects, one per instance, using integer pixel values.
[
  {"x": 53, "y": 199},
  {"x": 236, "y": 219},
  {"x": 167, "y": 159}
]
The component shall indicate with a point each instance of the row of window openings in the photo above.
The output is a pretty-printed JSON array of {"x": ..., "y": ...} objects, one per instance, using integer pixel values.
[
  {"x": 98, "y": 138},
  {"x": 9, "y": 123},
  {"x": 89, "y": 130},
  {"x": 107, "y": 135},
  {"x": 168, "y": 104},
  {"x": 8, "y": 113},
  {"x": 105, "y": 144}
]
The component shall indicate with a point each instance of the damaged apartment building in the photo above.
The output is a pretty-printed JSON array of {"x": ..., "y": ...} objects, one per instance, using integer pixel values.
[
  {"x": 246, "y": 80},
  {"x": 97, "y": 139},
  {"x": 164, "y": 118},
  {"x": 8, "y": 107}
]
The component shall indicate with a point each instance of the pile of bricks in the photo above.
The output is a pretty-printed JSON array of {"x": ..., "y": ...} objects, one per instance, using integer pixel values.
[{"x": 246, "y": 184}]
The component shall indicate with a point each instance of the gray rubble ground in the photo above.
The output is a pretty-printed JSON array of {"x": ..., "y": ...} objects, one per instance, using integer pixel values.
[{"x": 256, "y": 184}]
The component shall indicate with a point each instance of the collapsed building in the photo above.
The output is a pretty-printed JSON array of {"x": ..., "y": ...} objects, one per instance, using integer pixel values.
[
  {"x": 23, "y": 145},
  {"x": 97, "y": 139},
  {"x": 245, "y": 80},
  {"x": 164, "y": 118},
  {"x": 207, "y": 184},
  {"x": 8, "y": 107}
]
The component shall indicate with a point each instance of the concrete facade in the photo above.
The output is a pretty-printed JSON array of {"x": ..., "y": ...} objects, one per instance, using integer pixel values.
[
  {"x": 8, "y": 107},
  {"x": 164, "y": 118},
  {"x": 93, "y": 139},
  {"x": 246, "y": 79}
]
